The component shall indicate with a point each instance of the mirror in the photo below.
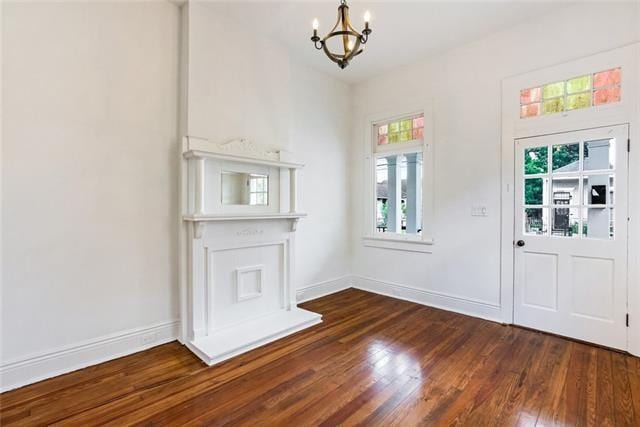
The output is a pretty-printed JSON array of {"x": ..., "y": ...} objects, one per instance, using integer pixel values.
[{"x": 245, "y": 189}]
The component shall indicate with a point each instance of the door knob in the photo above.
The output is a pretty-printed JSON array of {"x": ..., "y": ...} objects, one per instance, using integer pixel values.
[{"x": 520, "y": 243}]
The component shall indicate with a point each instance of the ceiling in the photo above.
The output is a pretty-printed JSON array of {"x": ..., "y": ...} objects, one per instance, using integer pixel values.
[{"x": 403, "y": 31}]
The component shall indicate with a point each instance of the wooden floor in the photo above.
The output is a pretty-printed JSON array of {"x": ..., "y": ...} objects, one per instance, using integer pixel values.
[{"x": 374, "y": 361}]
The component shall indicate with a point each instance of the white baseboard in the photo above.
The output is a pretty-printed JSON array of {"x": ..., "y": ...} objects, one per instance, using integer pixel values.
[
  {"x": 469, "y": 307},
  {"x": 325, "y": 288},
  {"x": 28, "y": 370}
]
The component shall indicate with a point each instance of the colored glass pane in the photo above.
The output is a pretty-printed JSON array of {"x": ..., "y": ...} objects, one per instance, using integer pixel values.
[
  {"x": 405, "y": 135},
  {"x": 405, "y": 124},
  {"x": 394, "y": 137},
  {"x": 530, "y": 95},
  {"x": 382, "y": 130},
  {"x": 553, "y": 89},
  {"x": 418, "y": 122},
  {"x": 580, "y": 100},
  {"x": 383, "y": 140},
  {"x": 579, "y": 84},
  {"x": 606, "y": 96},
  {"x": 530, "y": 110},
  {"x": 418, "y": 133},
  {"x": 394, "y": 127},
  {"x": 555, "y": 105},
  {"x": 606, "y": 78}
]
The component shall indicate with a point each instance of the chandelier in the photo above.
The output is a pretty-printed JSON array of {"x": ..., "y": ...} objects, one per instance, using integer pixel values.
[{"x": 352, "y": 42}]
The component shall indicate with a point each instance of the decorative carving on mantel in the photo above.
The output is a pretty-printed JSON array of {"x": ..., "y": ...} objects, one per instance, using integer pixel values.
[
  {"x": 246, "y": 148},
  {"x": 249, "y": 231}
]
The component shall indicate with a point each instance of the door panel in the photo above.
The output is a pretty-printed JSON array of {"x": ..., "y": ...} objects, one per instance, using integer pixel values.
[{"x": 571, "y": 220}]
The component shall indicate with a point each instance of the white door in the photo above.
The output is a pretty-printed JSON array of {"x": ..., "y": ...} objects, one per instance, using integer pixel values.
[{"x": 571, "y": 234}]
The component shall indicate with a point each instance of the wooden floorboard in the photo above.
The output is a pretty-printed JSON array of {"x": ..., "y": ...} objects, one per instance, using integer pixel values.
[{"x": 374, "y": 360}]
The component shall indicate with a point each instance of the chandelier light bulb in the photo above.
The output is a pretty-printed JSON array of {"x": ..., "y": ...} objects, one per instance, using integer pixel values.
[
  {"x": 350, "y": 45},
  {"x": 316, "y": 24},
  {"x": 367, "y": 17}
]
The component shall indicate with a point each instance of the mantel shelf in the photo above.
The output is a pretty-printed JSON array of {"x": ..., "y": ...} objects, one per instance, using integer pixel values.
[
  {"x": 198, "y": 221},
  {"x": 242, "y": 217},
  {"x": 200, "y": 154}
]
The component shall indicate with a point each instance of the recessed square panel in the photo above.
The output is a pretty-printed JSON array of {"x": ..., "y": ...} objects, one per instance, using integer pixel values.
[
  {"x": 540, "y": 280},
  {"x": 592, "y": 287},
  {"x": 249, "y": 282}
]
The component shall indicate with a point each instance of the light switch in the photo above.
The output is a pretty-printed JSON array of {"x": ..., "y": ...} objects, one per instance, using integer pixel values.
[{"x": 479, "y": 211}]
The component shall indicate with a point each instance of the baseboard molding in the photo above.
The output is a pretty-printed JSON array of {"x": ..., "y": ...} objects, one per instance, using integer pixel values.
[
  {"x": 28, "y": 370},
  {"x": 446, "y": 302},
  {"x": 325, "y": 288}
]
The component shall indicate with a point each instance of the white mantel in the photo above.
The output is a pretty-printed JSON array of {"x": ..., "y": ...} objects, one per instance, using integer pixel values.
[{"x": 238, "y": 259}]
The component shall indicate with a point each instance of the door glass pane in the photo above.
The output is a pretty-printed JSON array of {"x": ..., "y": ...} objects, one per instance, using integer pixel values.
[
  {"x": 599, "y": 154},
  {"x": 597, "y": 223},
  {"x": 565, "y": 190},
  {"x": 566, "y": 157},
  {"x": 598, "y": 189},
  {"x": 535, "y": 191},
  {"x": 536, "y": 221},
  {"x": 565, "y": 222},
  {"x": 535, "y": 160}
]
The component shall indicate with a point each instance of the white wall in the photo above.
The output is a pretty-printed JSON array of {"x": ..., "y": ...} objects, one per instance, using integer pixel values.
[
  {"x": 463, "y": 85},
  {"x": 252, "y": 89},
  {"x": 89, "y": 168}
]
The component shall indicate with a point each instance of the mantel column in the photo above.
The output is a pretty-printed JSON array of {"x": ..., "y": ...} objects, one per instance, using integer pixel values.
[
  {"x": 200, "y": 186},
  {"x": 293, "y": 190}
]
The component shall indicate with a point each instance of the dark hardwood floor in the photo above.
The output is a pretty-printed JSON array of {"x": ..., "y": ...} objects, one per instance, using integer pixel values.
[{"x": 374, "y": 361}]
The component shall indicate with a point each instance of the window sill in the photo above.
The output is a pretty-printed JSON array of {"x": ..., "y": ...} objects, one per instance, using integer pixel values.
[{"x": 399, "y": 243}]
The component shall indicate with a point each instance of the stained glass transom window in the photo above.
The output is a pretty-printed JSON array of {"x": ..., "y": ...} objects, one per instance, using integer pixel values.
[
  {"x": 576, "y": 93},
  {"x": 403, "y": 130}
]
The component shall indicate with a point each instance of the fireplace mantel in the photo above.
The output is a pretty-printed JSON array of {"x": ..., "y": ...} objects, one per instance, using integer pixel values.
[{"x": 238, "y": 256}]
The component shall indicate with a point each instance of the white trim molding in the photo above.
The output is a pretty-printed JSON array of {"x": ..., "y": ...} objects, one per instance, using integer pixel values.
[
  {"x": 627, "y": 111},
  {"x": 36, "y": 367},
  {"x": 456, "y": 304},
  {"x": 325, "y": 288}
]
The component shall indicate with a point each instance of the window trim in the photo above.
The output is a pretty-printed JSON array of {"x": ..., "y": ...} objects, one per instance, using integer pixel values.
[{"x": 398, "y": 241}]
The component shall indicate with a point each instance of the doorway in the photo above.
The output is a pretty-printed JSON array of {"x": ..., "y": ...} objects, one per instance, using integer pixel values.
[{"x": 570, "y": 234}]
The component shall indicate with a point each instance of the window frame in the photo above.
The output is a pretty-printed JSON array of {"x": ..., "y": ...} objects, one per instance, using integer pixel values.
[{"x": 398, "y": 241}]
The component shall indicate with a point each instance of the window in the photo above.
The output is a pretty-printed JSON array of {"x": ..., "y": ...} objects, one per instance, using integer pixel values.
[
  {"x": 398, "y": 154},
  {"x": 579, "y": 92},
  {"x": 258, "y": 189}
]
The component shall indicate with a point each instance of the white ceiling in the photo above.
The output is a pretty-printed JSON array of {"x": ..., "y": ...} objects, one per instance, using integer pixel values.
[{"x": 403, "y": 31}]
